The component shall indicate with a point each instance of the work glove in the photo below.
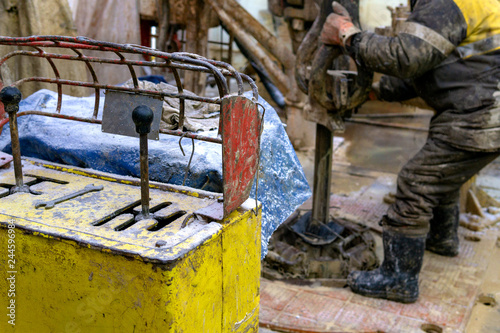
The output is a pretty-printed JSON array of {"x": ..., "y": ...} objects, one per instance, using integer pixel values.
[
  {"x": 338, "y": 28},
  {"x": 374, "y": 93}
]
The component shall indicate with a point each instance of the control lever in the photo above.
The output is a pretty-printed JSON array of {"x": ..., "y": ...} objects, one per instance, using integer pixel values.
[
  {"x": 10, "y": 97},
  {"x": 142, "y": 116}
]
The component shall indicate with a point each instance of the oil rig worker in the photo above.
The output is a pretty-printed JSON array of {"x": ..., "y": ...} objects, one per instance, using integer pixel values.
[{"x": 447, "y": 53}]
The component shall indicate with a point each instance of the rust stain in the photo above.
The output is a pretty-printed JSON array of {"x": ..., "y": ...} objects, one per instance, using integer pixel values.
[{"x": 240, "y": 149}]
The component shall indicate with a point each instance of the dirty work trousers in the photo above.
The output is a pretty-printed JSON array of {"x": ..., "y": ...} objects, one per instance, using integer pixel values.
[{"x": 431, "y": 178}]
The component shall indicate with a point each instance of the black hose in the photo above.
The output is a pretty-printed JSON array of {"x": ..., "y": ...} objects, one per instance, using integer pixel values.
[{"x": 271, "y": 88}]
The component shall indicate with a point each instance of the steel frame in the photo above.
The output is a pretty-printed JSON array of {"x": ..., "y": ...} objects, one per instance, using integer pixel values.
[{"x": 43, "y": 48}]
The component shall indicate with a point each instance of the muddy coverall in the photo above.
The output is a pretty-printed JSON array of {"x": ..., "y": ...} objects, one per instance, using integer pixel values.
[{"x": 448, "y": 53}]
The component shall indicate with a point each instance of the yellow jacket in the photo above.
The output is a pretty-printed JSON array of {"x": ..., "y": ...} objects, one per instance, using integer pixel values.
[{"x": 448, "y": 53}]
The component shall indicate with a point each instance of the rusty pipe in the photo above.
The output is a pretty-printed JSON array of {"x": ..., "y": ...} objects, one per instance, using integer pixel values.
[
  {"x": 143, "y": 118},
  {"x": 281, "y": 80},
  {"x": 260, "y": 33},
  {"x": 10, "y": 97}
]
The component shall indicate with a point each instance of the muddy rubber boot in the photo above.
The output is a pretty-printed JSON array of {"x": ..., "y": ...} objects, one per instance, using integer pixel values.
[
  {"x": 443, "y": 235},
  {"x": 397, "y": 278}
]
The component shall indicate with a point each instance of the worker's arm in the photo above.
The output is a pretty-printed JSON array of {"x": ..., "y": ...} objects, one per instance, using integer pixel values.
[
  {"x": 429, "y": 35},
  {"x": 393, "y": 89}
]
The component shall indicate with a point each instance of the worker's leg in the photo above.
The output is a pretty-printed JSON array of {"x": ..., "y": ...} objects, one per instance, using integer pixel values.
[
  {"x": 397, "y": 277},
  {"x": 430, "y": 179},
  {"x": 439, "y": 192},
  {"x": 443, "y": 234}
]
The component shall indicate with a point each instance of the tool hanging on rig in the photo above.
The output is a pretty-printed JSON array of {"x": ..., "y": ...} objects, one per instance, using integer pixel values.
[{"x": 322, "y": 72}]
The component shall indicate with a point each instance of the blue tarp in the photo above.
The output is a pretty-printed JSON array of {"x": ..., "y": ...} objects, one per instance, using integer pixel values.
[{"x": 282, "y": 184}]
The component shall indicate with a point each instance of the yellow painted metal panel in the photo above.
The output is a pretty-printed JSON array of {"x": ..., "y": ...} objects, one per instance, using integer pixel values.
[
  {"x": 62, "y": 286},
  {"x": 73, "y": 218},
  {"x": 241, "y": 252},
  {"x": 76, "y": 277}
]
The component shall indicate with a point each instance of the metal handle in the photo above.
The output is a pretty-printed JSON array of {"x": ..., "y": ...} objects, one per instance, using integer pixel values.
[
  {"x": 142, "y": 117},
  {"x": 10, "y": 97}
]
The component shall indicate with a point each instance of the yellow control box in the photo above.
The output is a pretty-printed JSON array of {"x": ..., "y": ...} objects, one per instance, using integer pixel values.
[{"x": 85, "y": 265}]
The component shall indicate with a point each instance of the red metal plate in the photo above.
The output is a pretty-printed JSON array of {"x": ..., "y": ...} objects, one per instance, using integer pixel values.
[
  {"x": 241, "y": 125},
  {"x": 3, "y": 114}
]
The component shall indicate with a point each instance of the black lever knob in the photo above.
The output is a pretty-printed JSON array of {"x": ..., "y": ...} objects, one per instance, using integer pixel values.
[
  {"x": 10, "y": 97},
  {"x": 142, "y": 116}
]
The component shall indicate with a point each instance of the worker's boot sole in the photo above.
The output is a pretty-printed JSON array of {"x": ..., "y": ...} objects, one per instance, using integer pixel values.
[{"x": 448, "y": 248}]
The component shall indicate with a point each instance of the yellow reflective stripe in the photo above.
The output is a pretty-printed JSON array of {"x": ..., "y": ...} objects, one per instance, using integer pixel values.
[
  {"x": 480, "y": 47},
  {"x": 482, "y": 17},
  {"x": 430, "y": 36}
]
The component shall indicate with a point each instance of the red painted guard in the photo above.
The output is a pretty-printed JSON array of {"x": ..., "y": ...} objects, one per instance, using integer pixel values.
[{"x": 241, "y": 126}]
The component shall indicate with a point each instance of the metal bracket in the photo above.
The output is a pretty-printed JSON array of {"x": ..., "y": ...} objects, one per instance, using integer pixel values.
[
  {"x": 118, "y": 106},
  {"x": 241, "y": 128}
]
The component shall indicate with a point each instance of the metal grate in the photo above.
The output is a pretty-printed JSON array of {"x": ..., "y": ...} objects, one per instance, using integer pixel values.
[
  {"x": 235, "y": 108},
  {"x": 173, "y": 61}
]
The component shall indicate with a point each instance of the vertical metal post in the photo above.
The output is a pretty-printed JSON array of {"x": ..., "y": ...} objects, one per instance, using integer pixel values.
[
  {"x": 143, "y": 151},
  {"x": 322, "y": 175},
  {"x": 10, "y": 97},
  {"x": 143, "y": 118}
]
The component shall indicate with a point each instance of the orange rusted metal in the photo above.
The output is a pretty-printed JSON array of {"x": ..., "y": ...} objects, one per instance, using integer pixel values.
[
  {"x": 240, "y": 118},
  {"x": 241, "y": 127}
]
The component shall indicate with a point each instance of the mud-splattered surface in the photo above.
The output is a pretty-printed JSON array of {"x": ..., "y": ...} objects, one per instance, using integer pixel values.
[
  {"x": 366, "y": 161},
  {"x": 485, "y": 315},
  {"x": 282, "y": 185}
]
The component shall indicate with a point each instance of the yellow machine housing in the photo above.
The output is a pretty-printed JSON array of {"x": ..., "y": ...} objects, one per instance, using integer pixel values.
[{"x": 73, "y": 276}]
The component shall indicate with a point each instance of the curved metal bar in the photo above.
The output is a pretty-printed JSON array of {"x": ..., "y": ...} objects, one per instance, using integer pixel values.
[
  {"x": 96, "y": 81},
  {"x": 190, "y": 135},
  {"x": 175, "y": 61},
  {"x": 258, "y": 161},
  {"x": 131, "y": 69},
  {"x": 227, "y": 66},
  {"x": 214, "y": 100},
  {"x": 235, "y": 73},
  {"x": 253, "y": 85},
  {"x": 183, "y": 154},
  {"x": 95, "y": 59},
  {"x": 182, "y": 101},
  {"x": 14, "y": 53},
  {"x": 48, "y": 41},
  {"x": 58, "y": 77},
  {"x": 52, "y": 115},
  {"x": 220, "y": 80},
  {"x": 121, "y": 62},
  {"x": 84, "y": 44}
]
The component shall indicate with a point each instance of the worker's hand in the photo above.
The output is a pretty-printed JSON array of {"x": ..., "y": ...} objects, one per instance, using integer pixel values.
[
  {"x": 338, "y": 28},
  {"x": 374, "y": 93}
]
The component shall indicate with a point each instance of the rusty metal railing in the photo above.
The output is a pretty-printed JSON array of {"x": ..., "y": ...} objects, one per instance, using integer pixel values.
[
  {"x": 45, "y": 47},
  {"x": 173, "y": 61}
]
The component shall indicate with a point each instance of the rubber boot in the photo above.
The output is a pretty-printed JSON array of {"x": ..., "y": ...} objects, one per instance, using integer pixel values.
[
  {"x": 397, "y": 278},
  {"x": 443, "y": 235}
]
